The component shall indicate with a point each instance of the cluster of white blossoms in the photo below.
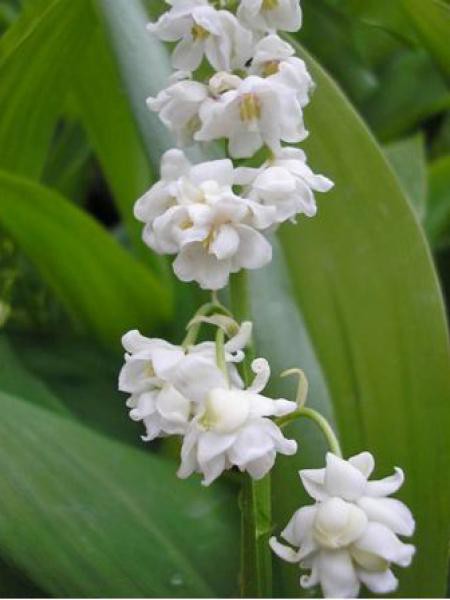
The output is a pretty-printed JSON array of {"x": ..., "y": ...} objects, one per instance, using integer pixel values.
[
  {"x": 182, "y": 391},
  {"x": 349, "y": 537},
  {"x": 239, "y": 83},
  {"x": 235, "y": 80}
]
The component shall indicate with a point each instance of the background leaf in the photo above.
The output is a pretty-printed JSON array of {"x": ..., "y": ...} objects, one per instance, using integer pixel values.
[
  {"x": 84, "y": 265},
  {"x": 109, "y": 530}
]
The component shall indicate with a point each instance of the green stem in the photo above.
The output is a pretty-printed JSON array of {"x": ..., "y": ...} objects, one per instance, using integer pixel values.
[
  {"x": 204, "y": 310},
  {"x": 319, "y": 420},
  {"x": 220, "y": 352},
  {"x": 255, "y": 498}
]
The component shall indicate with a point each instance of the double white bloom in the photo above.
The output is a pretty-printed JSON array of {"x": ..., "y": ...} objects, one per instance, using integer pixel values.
[
  {"x": 177, "y": 391},
  {"x": 349, "y": 537},
  {"x": 193, "y": 212}
]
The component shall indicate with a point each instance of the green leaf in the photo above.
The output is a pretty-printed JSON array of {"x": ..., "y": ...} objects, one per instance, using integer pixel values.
[
  {"x": 35, "y": 54},
  {"x": 411, "y": 89},
  {"x": 431, "y": 19},
  {"x": 110, "y": 125},
  {"x": 408, "y": 159},
  {"x": 363, "y": 277},
  {"x": 102, "y": 287},
  {"x": 437, "y": 223},
  {"x": 83, "y": 516}
]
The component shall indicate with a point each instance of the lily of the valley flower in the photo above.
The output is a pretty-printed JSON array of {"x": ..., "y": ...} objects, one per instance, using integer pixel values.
[
  {"x": 148, "y": 376},
  {"x": 274, "y": 59},
  {"x": 193, "y": 212},
  {"x": 349, "y": 537},
  {"x": 269, "y": 15},
  {"x": 285, "y": 183},
  {"x": 233, "y": 426},
  {"x": 258, "y": 112},
  {"x": 178, "y": 106},
  {"x": 201, "y": 30}
]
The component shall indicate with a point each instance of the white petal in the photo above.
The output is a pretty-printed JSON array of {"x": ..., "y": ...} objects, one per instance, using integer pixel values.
[
  {"x": 386, "y": 486},
  {"x": 211, "y": 444},
  {"x": 226, "y": 242},
  {"x": 342, "y": 479},
  {"x": 337, "y": 574},
  {"x": 383, "y": 582},
  {"x": 195, "y": 264},
  {"x": 390, "y": 512},
  {"x": 258, "y": 468},
  {"x": 220, "y": 171},
  {"x": 381, "y": 541},
  {"x": 364, "y": 462},
  {"x": 300, "y": 526},
  {"x": 213, "y": 469},
  {"x": 195, "y": 376},
  {"x": 188, "y": 54},
  {"x": 254, "y": 250},
  {"x": 174, "y": 164},
  {"x": 172, "y": 405},
  {"x": 313, "y": 481},
  {"x": 251, "y": 443},
  {"x": 285, "y": 552}
]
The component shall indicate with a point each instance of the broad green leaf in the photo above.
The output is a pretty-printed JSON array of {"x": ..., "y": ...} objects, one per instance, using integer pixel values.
[
  {"x": 363, "y": 277},
  {"x": 81, "y": 376},
  {"x": 34, "y": 57},
  {"x": 437, "y": 223},
  {"x": 431, "y": 19},
  {"x": 109, "y": 123},
  {"x": 408, "y": 159},
  {"x": 102, "y": 287},
  {"x": 83, "y": 516}
]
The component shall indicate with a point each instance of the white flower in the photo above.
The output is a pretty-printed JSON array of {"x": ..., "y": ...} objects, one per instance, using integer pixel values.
[
  {"x": 203, "y": 31},
  {"x": 260, "y": 111},
  {"x": 147, "y": 376},
  {"x": 349, "y": 537},
  {"x": 178, "y": 106},
  {"x": 193, "y": 212},
  {"x": 269, "y": 15},
  {"x": 232, "y": 428},
  {"x": 274, "y": 58},
  {"x": 285, "y": 183}
]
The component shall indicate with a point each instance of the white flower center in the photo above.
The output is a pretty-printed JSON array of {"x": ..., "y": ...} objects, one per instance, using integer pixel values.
[
  {"x": 226, "y": 410},
  {"x": 338, "y": 523},
  {"x": 199, "y": 33},
  {"x": 368, "y": 561}
]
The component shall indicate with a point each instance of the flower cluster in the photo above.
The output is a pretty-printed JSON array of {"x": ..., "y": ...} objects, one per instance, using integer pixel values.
[
  {"x": 183, "y": 391},
  {"x": 349, "y": 537},
  {"x": 237, "y": 80}
]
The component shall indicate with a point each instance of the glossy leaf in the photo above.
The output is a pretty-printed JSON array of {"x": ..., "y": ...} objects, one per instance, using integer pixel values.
[
  {"x": 34, "y": 57},
  {"x": 88, "y": 517},
  {"x": 363, "y": 277},
  {"x": 102, "y": 287}
]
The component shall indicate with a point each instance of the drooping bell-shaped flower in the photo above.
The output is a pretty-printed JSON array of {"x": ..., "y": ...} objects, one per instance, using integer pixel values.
[
  {"x": 201, "y": 30},
  {"x": 194, "y": 212},
  {"x": 270, "y": 15},
  {"x": 350, "y": 536},
  {"x": 148, "y": 376},
  {"x": 232, "y": 426},
  {"x": 285, "y": 183},
  {"x": 258, "y": 112}
]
